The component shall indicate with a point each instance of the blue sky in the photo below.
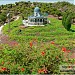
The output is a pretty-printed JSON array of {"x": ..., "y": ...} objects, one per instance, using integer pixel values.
[{"x": 13, "y": 1}]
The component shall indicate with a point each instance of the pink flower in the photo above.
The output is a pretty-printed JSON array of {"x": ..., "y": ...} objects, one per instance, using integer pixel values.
[
  {"x": 13, "y": 43},
  {"x": 45, "y": 71}
]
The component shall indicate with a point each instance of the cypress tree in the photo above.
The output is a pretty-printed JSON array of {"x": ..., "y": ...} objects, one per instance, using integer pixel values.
[{"x": 66, "y": 21}]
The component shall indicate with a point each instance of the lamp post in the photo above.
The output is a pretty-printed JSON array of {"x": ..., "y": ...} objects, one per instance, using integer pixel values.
[{"x": 8, "y": 16}]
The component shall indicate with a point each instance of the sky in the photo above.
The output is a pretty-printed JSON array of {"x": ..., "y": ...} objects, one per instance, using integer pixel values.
[{"x": 13, "y": 1}]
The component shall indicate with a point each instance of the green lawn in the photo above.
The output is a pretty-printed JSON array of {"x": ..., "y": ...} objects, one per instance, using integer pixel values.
[{"x": 51, "y": 32}]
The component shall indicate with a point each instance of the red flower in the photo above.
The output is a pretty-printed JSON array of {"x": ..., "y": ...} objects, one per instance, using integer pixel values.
[
  {"x": 4, "y": 69},
  {"x": 31, "y": 44},
  {"x": 43, "y": 70},
  {"x": 22, "y": 69},
  {"x": 63, "y": 49},
  {"x": 68, "y": 51},
  {"x": 43, "y": 53},
  {"x": 39, "y": 71},
  {"x": 52, "y": 42}
]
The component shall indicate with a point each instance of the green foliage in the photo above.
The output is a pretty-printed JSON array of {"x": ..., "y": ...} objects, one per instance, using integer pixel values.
[
  {"x": 23, "y": 56},
  {"x": 13, "y": 25},
  {"x": 64, "y": 18},
  {"x": 66, "y": 21},
  {"x": 2, "y": 17},
  {"x": 59, "y": 13},
  {"x": 26, "y": 9}
]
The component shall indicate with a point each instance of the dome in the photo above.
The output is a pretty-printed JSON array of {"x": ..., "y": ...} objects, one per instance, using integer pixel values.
[{"x": 37, "y": 9}]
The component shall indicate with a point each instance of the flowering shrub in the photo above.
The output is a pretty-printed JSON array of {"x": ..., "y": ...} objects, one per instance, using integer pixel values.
[{"x": 28, "y": 59}]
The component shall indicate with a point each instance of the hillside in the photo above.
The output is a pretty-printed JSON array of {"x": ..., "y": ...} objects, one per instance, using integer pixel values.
[{"x": 25, "y": 9}]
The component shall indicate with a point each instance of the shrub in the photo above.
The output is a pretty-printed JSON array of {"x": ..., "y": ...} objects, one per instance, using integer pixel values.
[
  {"x": 23, "y": 59},
  {"x": 64, "y": 18},
  {"x": 66, "y": 21},
  {"x": 2, "y": 17}
]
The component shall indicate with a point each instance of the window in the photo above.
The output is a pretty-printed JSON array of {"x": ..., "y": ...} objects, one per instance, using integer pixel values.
[{"x": 40, "y": 20}]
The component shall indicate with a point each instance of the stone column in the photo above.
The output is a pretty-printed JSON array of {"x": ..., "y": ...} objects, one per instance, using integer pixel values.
[
  {"x": 38, "y": 21},
  {"x": 42, "y": 21},
  {"x": 29, "y": 21},
  {"x": 33, "y": 20}
]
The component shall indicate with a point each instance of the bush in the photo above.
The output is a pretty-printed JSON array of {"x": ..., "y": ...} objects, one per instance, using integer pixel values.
[
  {"x": 64, "y": 18},
  {"x": 66, "y": 21},
  {"x": 22, "y": 59},
  {"x": 3, "y": 18}
]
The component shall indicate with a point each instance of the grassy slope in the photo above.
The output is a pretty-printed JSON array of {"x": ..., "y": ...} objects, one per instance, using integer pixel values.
[{"x": 53, "y": 32}]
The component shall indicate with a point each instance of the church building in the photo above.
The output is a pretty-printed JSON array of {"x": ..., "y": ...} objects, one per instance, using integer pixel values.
[{"x": 36, "y": 19}]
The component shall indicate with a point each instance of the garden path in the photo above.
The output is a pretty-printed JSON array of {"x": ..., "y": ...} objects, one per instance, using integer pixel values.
[{"x": 4, "y": 39}]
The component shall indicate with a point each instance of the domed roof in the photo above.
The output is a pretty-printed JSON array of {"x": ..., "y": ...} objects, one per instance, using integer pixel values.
[{"x": 37, "y": 9}]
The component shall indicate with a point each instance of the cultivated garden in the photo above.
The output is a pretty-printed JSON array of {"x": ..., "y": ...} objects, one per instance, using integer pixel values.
[{"x": 38, "y": 50}]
